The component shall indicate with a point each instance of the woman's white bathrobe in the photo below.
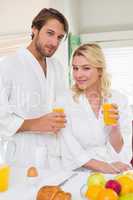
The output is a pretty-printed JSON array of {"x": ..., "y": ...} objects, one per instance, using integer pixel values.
[
  {"x": 86, "y": 137},
  {"x": 26, "y": 93}
]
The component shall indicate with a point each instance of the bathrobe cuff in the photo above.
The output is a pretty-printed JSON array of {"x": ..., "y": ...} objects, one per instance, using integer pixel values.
[
  {"x": 82, "y": 160},
  {"x": 10, "y": 125},
  {"x": 15, "y": 124}
]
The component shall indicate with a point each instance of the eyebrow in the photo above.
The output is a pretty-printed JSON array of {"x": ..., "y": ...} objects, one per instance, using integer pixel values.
[{"x": 80, "y": 65}]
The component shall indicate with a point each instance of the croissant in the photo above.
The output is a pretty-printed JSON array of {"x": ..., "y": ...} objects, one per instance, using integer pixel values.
[{"x": 52, "y": 193}]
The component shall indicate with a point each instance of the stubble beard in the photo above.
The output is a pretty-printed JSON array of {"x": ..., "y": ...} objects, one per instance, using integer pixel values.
[{"x": 41, "y": 50}]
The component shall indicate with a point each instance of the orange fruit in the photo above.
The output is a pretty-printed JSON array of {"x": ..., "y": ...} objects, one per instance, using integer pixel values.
[
  {"x": 129, "y": 173},
  {"x": 107, "y": 194},
  {"x": 93, "y": 191},
  {"x": 126, "y": 184}
]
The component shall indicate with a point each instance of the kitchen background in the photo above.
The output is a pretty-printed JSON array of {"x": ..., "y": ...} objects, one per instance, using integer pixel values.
[{"x": 109, "y": 23}]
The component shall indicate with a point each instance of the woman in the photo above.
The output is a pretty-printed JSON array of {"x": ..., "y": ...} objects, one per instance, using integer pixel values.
[{"x": 87, "y": 141}]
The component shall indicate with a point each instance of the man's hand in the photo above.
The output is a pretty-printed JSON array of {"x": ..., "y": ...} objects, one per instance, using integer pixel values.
[{"x": 51, "y": 122}]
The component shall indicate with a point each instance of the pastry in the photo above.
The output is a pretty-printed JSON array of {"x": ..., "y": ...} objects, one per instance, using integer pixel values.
[{"x": 52, "y": 193}]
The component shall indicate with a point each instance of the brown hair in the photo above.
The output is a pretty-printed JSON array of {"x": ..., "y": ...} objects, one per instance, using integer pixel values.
[{"x": 45, "y": 14}]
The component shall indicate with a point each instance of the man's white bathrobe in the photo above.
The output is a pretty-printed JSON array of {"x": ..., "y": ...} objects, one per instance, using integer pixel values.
[
  {"x": 25, "y": 93},
  {"x": 86, "y": 137}
]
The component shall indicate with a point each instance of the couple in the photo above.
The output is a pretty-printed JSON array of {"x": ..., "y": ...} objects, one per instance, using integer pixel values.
[{"x": 31, "y": 81}]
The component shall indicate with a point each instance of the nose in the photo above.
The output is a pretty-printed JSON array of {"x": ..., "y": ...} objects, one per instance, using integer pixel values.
[
  {"x": 79, "y": 72},
  {"x": 55, "y": 42}
]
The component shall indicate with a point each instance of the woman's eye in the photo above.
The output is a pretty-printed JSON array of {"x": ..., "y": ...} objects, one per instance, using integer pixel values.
[
  {"x": 75, "y": 68},
  {"x": 86, "y": 68}
]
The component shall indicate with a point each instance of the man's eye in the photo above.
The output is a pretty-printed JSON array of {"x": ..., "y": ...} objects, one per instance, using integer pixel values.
[
  {"x": 60, "y": 38},
  {"x": 50, "y": 33}
]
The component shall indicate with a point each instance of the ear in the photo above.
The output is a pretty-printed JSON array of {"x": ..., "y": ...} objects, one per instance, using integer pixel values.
[
  {"x": 34, "y": 31},
  {"x": 100, "y": 71}
]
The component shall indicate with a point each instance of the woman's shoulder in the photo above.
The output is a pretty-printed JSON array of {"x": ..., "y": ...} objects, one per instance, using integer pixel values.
[{"x": 118, "y": 96}]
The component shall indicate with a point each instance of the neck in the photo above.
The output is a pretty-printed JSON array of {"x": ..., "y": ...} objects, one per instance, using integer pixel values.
[
  {"x": 93, "y": 91},
  {"x": 41, "y": 59},
  {"x": 35, "y": 52},
  {"x": 95, "y": 100},
  {"x": 93, "y": 95}
]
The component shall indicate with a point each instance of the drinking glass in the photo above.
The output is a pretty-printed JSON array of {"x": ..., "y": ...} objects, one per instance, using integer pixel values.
[
  {"x": 106, "y": 114},
  {"x": 7, "y": 151}
]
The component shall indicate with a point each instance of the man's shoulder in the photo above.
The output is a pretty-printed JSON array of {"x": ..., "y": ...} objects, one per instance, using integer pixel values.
[
  {"x": 65, "y": 97},
  {"x": 6, "y": 62},
  {"x": 10, "y": 63},
  {"x": 9, "y": 59}
]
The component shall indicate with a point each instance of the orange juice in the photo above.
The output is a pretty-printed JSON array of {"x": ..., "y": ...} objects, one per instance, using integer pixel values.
[
  {"x": 106, "y": 113},
  {"x": 4, "y": 177},
  {"x": 60, "y": 110}
]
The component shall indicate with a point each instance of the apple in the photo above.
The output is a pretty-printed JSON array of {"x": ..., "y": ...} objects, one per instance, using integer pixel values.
[
  {"x": 114, "y": 185},
  {"x": 128, "y": 196},
  {"x": 96, "y": 178}
]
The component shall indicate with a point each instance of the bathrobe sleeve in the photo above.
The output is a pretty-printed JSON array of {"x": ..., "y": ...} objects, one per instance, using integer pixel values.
[
  {"x": 125, "y": 123},
  {"x": 72, "y": 154},
  {"x": 9, "y": 121}
]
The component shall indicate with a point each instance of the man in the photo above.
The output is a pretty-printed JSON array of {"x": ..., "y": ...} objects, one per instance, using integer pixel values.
[{"x": 30, "y": 82}]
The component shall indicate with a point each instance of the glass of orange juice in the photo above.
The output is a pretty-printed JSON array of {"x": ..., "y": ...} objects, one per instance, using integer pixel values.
[
  {"x": 4, "y": 177},
  {"x": 106, "y": 114},
  {"x": 58, "y": 109}
]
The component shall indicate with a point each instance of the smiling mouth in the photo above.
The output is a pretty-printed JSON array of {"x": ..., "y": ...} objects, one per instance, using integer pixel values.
[{"x": 81, "y": 81}]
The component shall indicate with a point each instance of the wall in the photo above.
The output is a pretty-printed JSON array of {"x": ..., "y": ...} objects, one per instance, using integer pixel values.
[
  {"x": 105, "y": 15},
  {"x": 84, "y": 15},
  {"x": 16, "y": 16},
  {"x": 70, "y": 8}
]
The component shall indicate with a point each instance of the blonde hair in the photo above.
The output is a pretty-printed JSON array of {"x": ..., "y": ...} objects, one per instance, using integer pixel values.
[{"x": 93, "y": 53}]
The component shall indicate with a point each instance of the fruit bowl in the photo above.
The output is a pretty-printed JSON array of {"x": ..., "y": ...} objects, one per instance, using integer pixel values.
[
  {"x": 83, "y": 190},
  {"x": 98, "y": 187}
]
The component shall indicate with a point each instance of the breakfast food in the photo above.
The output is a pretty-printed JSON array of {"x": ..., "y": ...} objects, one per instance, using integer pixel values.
[
  {"x": 52, "y": 193},
  {"x": 32, "y": 172},
  {"x": 118, "y": 188}
]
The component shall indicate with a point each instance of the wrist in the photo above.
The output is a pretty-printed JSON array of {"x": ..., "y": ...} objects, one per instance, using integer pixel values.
[{"x": 115, "y": 127}]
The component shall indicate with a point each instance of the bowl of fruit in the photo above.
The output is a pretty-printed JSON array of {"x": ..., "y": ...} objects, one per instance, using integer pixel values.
[{"x": 98, "y": 187}]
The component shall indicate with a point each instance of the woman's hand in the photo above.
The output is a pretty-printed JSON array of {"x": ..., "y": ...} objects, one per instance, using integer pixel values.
[
  {"x": 115, "y": 136},
  {"x": 121, "y": 166},
  {"x": 114, "y": 112},
  {"x": 101, "y": 166}
]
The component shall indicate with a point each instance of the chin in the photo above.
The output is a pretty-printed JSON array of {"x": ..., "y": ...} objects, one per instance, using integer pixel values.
[{"x": 82, "y": 87}]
